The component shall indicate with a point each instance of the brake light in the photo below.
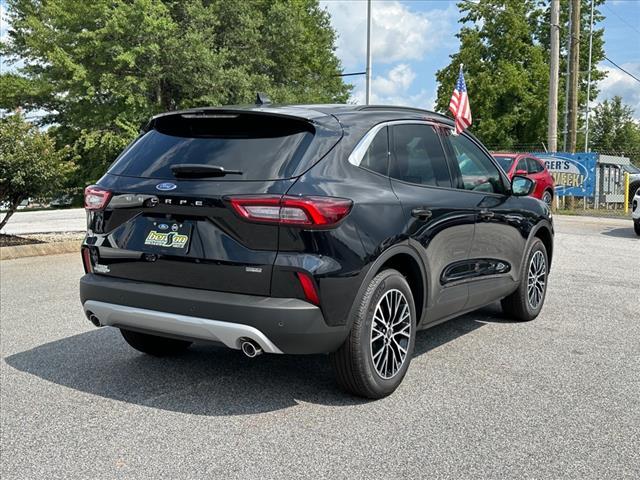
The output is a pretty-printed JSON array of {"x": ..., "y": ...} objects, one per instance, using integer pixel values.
[
  {"x": 308, "y": 287},
  {"x": 310, "y": 212},
  {"x": 96, "y": 198}
]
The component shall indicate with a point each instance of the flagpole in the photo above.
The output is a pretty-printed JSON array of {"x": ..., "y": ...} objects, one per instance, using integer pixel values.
[{"x": 368, "y": 88}]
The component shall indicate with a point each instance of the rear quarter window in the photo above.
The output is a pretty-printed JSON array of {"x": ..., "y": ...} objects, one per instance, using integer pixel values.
[{"x": 261, "y": 147}]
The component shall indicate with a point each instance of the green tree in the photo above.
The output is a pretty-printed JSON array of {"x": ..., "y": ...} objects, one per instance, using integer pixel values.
[
  {"x": 505, "y": 71},
  {"x": 30, "y": 163},
  {"x": 613, "y": 130},
  {"x": 504, "y": 45},
  {"x": 102, "y": 68}
]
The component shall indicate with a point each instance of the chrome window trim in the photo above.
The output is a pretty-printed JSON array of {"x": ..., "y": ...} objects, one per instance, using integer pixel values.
[{"x": 356, "y": 156}]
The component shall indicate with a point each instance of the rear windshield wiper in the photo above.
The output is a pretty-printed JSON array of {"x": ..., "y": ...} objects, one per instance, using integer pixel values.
[{"x": 189, "y": 170}]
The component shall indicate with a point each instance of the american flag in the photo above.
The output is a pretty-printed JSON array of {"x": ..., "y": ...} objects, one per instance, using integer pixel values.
[{"x": 459, "y": 105}]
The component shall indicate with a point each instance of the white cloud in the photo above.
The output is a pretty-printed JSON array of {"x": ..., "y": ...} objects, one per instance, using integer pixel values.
[
  {"x": 399, "y": 78},
  {"x": 397, "y": 32},
  {"x": 393, "y": 89},
  {"x": 621, "y": 84}
]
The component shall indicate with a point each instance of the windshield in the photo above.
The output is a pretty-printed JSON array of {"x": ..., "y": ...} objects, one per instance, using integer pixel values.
[
  {"x": 261, "y": 148},
  {"x": 505, "y": 162},
  {"x": 631, "y": 168}
]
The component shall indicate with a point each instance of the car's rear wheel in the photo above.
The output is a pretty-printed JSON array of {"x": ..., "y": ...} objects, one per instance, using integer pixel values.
[
  {"x": 526, "y": 302},
  {"x": 636, "y": 226},
  {"x": 375, "y": 357},
  {"x": 547, "y": 197},
  {"x": 153, "y": 344}
]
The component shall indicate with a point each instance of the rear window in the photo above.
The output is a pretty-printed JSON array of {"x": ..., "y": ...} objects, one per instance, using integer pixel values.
[
  {"x": 505, "y": 162},
  {"x": 261, "y": 147}
]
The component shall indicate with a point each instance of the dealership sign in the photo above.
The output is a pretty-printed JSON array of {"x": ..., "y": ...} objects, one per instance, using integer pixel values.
[{"x": 573, "y": 173}]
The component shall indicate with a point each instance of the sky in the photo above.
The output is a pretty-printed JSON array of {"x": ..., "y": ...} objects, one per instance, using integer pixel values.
[{"x": 412, "y": 40}]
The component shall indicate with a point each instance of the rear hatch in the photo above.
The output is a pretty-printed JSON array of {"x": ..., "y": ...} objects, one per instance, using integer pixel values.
[{"x": 169, "y": 219}]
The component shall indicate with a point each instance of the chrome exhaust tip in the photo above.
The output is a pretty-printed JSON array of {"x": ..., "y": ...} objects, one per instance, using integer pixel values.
[
  {"x": 250, "y": 348},
  {"x": 93, "y": 319}
]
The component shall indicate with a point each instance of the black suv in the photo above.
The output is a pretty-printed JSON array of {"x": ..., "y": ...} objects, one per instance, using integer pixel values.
[{"x": 334, "y": 229}]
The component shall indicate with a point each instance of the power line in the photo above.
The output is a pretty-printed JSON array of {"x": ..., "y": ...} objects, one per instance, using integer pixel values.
[
  {"x": 622, "y": 69},
  {"x": 622, "y": 19},
  {"x": 351, "y": 74}
]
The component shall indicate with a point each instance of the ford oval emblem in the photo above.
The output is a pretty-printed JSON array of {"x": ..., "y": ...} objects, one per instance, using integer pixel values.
[
  {"x": 163, "y": 226},
  {"x": 166, "y": 186}
]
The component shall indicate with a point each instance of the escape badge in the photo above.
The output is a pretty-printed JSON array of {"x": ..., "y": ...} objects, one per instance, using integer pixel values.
[{"x": 166, "y": 239}]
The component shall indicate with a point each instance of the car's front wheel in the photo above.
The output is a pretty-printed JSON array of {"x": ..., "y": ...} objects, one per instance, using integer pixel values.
[
  {"x": 153, "y": 344},
  {"x": 375, "y": 357},
  {"x": 636, "y": 226},
  {"x": 526, "y": 302}
]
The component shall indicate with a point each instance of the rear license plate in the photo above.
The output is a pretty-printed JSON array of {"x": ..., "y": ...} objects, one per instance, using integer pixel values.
[{"x": 168, "y": 237}]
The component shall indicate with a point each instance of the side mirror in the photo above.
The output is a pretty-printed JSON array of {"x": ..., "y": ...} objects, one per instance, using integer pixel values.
[{"x": 522, "y": 186}]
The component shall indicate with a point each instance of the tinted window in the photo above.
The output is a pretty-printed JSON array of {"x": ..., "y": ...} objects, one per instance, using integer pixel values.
[
  {"x": 263, "y": 149},
  {"x": 376, "y": 157},
  {"x": 477, "y": 170},
  {"x": 417, "y": 156},
  {"x": 534, "y": 166},
  {"x": 505, "y": 162},
  {"x": 522, "y": 166}
]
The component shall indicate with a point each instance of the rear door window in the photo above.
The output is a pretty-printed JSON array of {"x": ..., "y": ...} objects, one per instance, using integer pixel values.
[
  {"x": 262, "y": 148},
  {"x": 522, "y": 166},
  {"x": 534, "y": 166},
  {"x": 417, "y": 156}
]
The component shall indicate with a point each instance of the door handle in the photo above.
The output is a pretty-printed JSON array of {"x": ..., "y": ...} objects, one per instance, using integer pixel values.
[
  {"x": 421, "y": 213},
  {"x": 486, "y": 214}
]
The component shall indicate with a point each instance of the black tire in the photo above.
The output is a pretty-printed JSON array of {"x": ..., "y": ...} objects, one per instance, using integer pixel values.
[
  {"x": 518, "y": 305},
  {"x": 153, "y": 344},
  {"x": 636, "y": 226},
  {"x": 353, "y": 362},
  {"x": 547, "y": 197},
  {"x": 633, "y": 189}
]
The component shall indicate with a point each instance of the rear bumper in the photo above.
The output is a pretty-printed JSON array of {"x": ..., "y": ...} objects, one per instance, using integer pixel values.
[{"x": 279, "y": 325}]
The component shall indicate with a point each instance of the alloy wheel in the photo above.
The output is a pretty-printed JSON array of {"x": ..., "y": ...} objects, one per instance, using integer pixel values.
[
  {"x": 390, "y": 333},
  {"x": 536, "y": 279}
]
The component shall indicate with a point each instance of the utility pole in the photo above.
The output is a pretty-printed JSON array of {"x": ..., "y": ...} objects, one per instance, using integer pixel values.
[
  {"x": 552, "y": 128},
  {"x": 565, "y": 123},
  {"x": 574, "y": 74},
  {"x": 368, "y": 94},
  {"x": 586, "y": 114}
]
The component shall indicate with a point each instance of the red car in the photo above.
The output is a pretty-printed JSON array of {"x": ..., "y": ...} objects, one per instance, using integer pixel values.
[{"x": 529, "y": 166}]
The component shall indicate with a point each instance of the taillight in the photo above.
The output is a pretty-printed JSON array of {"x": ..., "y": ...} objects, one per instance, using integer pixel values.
[
  {"x": 96, "y": 198},
  {"x": 310, "y": 212},
  {"x": 308, "y": 287},
  {"x": 86, "y": 260}
]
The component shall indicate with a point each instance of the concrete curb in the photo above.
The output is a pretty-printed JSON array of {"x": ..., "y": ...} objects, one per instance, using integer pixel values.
[{"x": 37, "y": 249}]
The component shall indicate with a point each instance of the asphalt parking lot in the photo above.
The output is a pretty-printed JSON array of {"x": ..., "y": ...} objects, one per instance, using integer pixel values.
[{"x": 485, "y": 397}]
